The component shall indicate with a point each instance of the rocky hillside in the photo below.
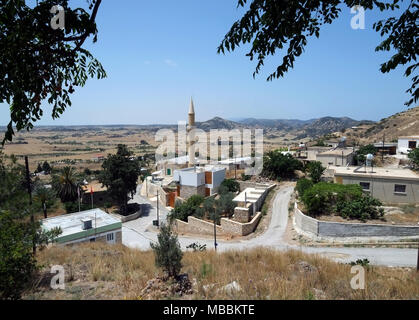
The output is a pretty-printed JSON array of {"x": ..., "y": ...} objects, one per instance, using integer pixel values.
[{"x": 404, "y": 123}]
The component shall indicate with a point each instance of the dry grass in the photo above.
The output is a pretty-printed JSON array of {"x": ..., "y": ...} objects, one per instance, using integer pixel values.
[{"x": 99, "y": 271}]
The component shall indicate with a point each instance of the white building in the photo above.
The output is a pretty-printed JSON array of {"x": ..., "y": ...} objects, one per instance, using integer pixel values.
[
  {"x": 407, "y": 143},
  {"x": 86, "y": 226},
  {"x": 198, "y": 180}
]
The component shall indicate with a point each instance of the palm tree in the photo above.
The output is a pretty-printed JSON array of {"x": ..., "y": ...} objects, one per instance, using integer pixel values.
[
  {"x": 44, "y": 195},
  {"x": 67, "y": 188}
]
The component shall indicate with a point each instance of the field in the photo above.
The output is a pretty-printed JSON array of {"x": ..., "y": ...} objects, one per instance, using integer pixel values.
[
  {"x": 99, "y": 271},
  {"x": 78, "y": 146}
]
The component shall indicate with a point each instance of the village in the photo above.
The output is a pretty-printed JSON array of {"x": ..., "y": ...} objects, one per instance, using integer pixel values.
[{"x": 216, "y": 205}]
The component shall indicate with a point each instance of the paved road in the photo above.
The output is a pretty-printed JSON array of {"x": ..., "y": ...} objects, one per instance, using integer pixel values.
[{"x": 136, "y": 235}]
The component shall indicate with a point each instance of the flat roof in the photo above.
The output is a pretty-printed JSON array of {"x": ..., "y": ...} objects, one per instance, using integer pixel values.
[
  {"x": 337, "y": 152},
  {"x": 378, "y": 172},
  {"x": 72, "y": 224},
  {"x": 386, "y": 144},
  {"x": 409, "y": 137},
  {"x": 249, "y": 195}
]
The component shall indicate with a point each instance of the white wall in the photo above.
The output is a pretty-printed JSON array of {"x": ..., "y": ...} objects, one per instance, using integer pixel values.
[{"x": 403, "y": 145}]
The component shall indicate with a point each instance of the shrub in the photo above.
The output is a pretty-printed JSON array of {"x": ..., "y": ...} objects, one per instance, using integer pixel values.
[
  {"x": 245, "y": 177},
  {"x": 414, "y": 158},
  {"x": 276, "y": 165},
  {"x": 315, "y": 170},
  {"x": 303, "y": 185},
  {"x": 168, "y": 254},
  {"x": 323, "y": 197},
  {"x": 231, "y": 185},
  {"x": 363, "y": 208}
]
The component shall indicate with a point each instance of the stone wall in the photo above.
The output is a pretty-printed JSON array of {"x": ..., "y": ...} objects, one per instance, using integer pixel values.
[
  {"x": 232, "y": 227},
  {"x": 188, "y": 191},
  {"x": 344, "y": 229},
  {"x": 228, "y": 227},
  {"x": 241, "y": 214}
]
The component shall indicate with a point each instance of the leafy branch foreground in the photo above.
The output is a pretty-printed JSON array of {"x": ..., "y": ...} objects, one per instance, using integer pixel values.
[{"x": 98, "y": 271}]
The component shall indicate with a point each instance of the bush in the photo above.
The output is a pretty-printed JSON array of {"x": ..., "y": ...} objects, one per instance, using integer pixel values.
[
  {"x": 315, "y": 170},
  {"x": 168, "y": 254},
  {"x": 277, "y": 166},
  {"x": 347, "y": 201},
  {"x": 323, "y": 197},
  {"x": 414, "y": 158},
  {"x": 303, "y": 185},
  {"x": 231, "y": 185},
  {"x": 245, "y": 177},
  {"x": 363, "y": 208},
  {"x": 188, "y": 208},
  {"x": 71, "y": 207}
]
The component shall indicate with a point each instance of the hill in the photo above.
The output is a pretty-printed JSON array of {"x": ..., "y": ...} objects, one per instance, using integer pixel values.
[{"x": 403, "y": 123}]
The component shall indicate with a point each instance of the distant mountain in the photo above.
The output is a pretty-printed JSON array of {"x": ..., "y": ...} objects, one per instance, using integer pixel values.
[
  {"x": 218, "y": 123},
  {"x": 299, "y": 128}
]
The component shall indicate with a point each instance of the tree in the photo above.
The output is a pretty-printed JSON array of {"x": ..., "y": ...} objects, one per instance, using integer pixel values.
[
  {"x": 168, "y": 254},
  {"x": 276, "y": 165},
  {"x": 120, "y": 174},
  {"x": 315, "y": 170},
  {"x": 41, "y": 64},
  {"x": 17, "y": 232},
  {"x": 66, "y": 185},
  {"x": 45, "y": 197},
  {"x": 414, "y": 157},
  {"x": 272, "y": 25},
  {"x": 46, "y": 167},
  {"x": 231, "y": 185},
  {"x": 39, "y": 168},
  {"x": 303, "y": 185},
  {"x": 361, "y": 153}
]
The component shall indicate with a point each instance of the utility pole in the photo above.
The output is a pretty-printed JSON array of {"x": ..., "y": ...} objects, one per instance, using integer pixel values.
[
  {"x": 158, "y": 223},
  {"x": 417, "y": 264},
  {"x": 215, "y": 232},
  {"x": 235, "y": 168},
  {"x": 29, "y": 186},
  {"x": 382, "y": 151}
]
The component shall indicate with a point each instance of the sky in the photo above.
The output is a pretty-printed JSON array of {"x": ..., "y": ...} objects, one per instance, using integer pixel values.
[{"x": 158, "y": 54}]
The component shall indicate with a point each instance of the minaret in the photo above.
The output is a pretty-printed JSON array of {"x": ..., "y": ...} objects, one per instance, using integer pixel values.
[{"x": 191, "y": 126}]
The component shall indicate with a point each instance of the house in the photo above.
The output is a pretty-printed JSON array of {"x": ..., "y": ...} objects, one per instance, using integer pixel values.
[
  {"x": 99, "y": 191},
  {"x": 389, "y": 148},
  {"x": 407, "y": 143},
  {"x": 98, "y": 158},
  {"x": 203, "y": 181},
  {"x": 86, "y": 226},
  {"x": 336, "y": 157},
  {"x": 393, "y": 186}
]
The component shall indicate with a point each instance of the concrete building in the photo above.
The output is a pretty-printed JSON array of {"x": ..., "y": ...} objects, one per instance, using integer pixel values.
[
  {"x": 388, "y": 148},
  {"x": 392, "y": 186},
  {"x": 336, "y": 157},
  {"x": 86, "y": 226},
  {"x": 407, "y": 143},
  {"x": 203, "y": 181}
]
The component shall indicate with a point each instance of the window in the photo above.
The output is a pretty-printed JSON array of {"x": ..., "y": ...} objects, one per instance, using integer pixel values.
[
  {"x": 365, "y": 186},
  {"x": 110, "y": 237},
  {"x": 92, "y": 239},
  {"x": 412, "y": 144},
  {"x": 399, "y": 188}
]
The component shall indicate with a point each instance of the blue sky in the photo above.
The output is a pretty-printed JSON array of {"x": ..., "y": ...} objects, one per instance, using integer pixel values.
[{"x": 159, "y": 53}]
